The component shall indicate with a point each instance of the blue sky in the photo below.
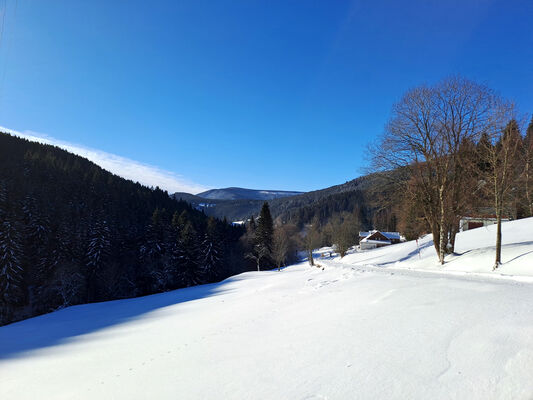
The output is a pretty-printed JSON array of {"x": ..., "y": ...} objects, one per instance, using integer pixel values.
[{"x": 260, "y": 94}]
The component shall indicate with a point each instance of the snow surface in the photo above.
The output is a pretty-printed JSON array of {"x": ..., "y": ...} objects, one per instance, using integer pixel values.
[
  {"x": 379, "y": 324},
  {"x": 474, "y": 252}
]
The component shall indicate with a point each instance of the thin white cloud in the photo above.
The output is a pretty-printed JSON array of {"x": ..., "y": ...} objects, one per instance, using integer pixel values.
[{"x": 148, "y": 175}]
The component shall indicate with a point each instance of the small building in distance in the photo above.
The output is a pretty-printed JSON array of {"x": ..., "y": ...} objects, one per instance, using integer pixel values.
[
  {"x": 374, "y": 239},
  {"x": 478, "y": 221}
]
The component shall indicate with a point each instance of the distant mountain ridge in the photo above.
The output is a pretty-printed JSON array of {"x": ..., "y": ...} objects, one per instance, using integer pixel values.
[
  {"x": 299, "y": 208},
  {"x": 237, "y": 193}
]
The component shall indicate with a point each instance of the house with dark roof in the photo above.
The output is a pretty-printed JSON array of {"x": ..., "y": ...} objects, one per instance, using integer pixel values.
[{"x": 374, "y": 239}]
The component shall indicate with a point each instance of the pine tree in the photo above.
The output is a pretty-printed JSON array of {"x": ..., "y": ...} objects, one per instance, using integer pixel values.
[
  {"x": 264, "y": 234},
  {"x": 212, "y": 251},
  {"x": 35, "y": 233},
  {"x": 175, "y": 262},
  {"x": 98, "y": 247},
  {"x": 190, "y": 272},
  {"x": 153, "y": 252},
  {"x": 153, "y": 245},
  {"x": 11, "y": 271},
  {"x": 176, "y": 223},
  {"x": 98, "y": 250}
]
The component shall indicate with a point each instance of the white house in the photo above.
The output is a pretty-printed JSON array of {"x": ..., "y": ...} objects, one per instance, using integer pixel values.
[{"x": 374, "y": 239}]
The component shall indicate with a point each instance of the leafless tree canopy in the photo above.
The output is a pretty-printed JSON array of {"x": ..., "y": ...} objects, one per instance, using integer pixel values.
[
  {"x": 501, "y": 172},
  {"x": 431, "y": 132}
]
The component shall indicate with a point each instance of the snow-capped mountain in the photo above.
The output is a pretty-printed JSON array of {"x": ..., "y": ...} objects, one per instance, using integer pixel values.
[{"x": 236, "y": 193}]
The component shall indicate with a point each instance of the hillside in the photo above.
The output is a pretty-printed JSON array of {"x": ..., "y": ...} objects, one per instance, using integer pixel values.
[
  {"x": 299, "y": 209},
  {"x": 474, "y": 253},
  {"x": 236, "y": 193},
  {"x": 327, "y": 332},
  {"x": 71, "y": 233},
  {"x": 232, "y": 210}
]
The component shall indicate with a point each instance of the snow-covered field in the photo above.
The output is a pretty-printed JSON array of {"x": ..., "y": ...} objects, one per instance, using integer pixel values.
[
  {"x": 474, "y": 253},
  {"x": 376, "y": 325}
]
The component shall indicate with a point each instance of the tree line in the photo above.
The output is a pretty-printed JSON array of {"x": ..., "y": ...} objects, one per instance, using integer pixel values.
[
  {"x": 456, "y": 146},
  {"x": 71, "y": 233}
]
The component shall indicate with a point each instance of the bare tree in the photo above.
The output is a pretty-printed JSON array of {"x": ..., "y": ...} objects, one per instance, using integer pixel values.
[
  {"x": 345, "y": 233},
  {"x": 281, "y": 246},
  {"x": 502, "y": 175},
  {"x": 426, "y": 135},
  {"x": 258, "y": 254},
  {"x": 312, "y": 241}
]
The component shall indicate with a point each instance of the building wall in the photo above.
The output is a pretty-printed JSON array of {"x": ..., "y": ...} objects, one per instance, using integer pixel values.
[
  {"x": 471, "y": 223},
  {"x": 368, "y": 246}
]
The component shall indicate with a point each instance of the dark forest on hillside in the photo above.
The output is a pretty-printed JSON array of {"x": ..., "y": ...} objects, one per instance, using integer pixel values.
[{"x": 71, "y": 233}]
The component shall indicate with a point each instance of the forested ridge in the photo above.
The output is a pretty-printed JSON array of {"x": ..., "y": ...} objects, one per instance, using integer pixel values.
[
  {"x": 71, "y": 233},
  {"x": 299, "y": 209}
]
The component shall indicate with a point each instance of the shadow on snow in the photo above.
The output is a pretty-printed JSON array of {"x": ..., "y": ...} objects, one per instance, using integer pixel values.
[{"x": 62, "y": 325}]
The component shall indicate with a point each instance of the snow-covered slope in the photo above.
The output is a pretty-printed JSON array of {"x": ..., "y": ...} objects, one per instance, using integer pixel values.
[
  {"x": 348, "y": 331},
  {"x": 474, "y": 252}
]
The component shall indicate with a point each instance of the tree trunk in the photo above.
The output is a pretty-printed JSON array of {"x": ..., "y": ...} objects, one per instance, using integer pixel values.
[
  {"x": 436, "y": 237},
  {"x": 442, "y": 228},
  {"x": 453, "y": 232},
  {"x": 310, "y": 257},
  {"x": 498, "y": 260},
  {"x": 528, "y": 195}
]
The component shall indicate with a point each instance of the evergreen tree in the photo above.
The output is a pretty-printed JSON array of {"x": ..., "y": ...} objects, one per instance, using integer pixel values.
[
  {"x": 35, "y": 234},
  {"x": 176, "y": 223},
  {"x": 212, "y": 250},
  {"x": 175, "y": 262},
  {"x": 98, "y": 250},
  {"x": 190, "y": 272},
  {"x": 264, "y": 233},
  {"x": 153, "y": 252},
  {"x": 11, "y": 271},
  {"x": 482, "y": 150}
]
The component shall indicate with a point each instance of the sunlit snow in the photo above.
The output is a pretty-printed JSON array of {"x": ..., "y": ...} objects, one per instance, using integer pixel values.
[{"x": 386, "y": 323}]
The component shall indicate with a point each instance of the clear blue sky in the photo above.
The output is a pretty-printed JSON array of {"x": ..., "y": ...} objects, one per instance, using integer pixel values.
[{"x": 261, "y": 94}]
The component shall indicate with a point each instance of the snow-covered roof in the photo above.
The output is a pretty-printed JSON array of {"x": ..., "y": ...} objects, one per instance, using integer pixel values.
[
  {"x": 391, "y": 235},
  {"x": 388, "y": 235}
]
